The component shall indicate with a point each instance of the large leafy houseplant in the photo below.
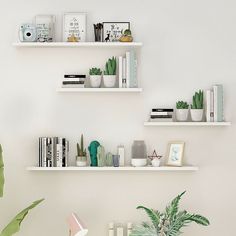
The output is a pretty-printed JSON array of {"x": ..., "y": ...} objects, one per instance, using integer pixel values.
[
  {"x": 168, "y": 223},
  {"x": 14, "y": 225}
]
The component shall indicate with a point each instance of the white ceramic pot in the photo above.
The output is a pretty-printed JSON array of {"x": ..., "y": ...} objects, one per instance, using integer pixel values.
[
  {"x": 138, "y": 162},
  {"x": 156, "y": 162},
  {"x": 109, "y": 81},
  {"x": 81, "y": 161},
  {"x": 181, "y": 114},
  {"x": 95, "y": 81},
  {"x": 196, "y": 114}
]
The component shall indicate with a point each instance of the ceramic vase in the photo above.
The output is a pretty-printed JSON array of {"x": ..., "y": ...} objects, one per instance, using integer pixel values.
[
  {"x": 181, "y": 114},
  {"x": 95, "y": 81},
  {"x": 196, "y": 115},
  {"x": 81, "y": 161},
  {"x": 109, "y": 81}
]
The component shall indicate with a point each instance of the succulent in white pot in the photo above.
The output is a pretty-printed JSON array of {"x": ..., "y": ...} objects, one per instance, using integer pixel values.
[
  {"x": 182, "y": 111},
  {"x": 95, "y": 77},
  {"x": 197, "y": 106},
  {"x": 81, "y": 158},
  {"x": 109, "y": 75}
]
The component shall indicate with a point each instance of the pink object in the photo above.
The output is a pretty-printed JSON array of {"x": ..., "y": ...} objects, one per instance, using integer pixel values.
[{"x": 77, "y": 228}]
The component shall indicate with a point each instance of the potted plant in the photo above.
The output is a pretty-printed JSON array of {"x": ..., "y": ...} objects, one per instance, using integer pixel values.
[
  {"x": 95, "y": 77},
  {"x": 81, "y": 158},
  {"x": 197, "y": 106},
  {"x": 168, "y": 223},
  {"x": 109, "y": 76},
  {"x": 181, "y": 111}
]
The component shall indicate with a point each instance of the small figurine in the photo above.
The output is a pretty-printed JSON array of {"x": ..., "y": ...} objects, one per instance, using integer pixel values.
[
  {"x": 126, "y": 36},
  {"x": 107, "y": 39},
  {"x": 109, "y": 159},
  {"x": 72, "y": 39},
  {"x": 155, "y": 159},
  {"x": 101, "y": 156},
  {"x": 93, "y": 152}
]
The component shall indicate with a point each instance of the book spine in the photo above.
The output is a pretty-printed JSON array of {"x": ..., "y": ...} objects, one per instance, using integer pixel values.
[
  {"x": 162, "y": 110},
  {"x": 63, "y": 152},
  {"x": 124, "y": 73},
  {"x": 67, "y": 153},
  {"x": 220, "y": 103},
  {"x": 128, "y": 69},
  {"x": 215, "y": 99},
  {"x": 49, "y": 147},
  {"x": 160, "y": 113},
  {"x": 44, "y": 152},
  {"x": 58, "y": 152},
  {"x": 208, "y": 105},
  {"x": 75, "y": 76},
  {"x": 40, "y": 153},
  {"x": 72, "y": 82},
  {"x": 133, "y": 70},
  {"x": 161, "y": 116},
  {"x": 120, "y": 71}
]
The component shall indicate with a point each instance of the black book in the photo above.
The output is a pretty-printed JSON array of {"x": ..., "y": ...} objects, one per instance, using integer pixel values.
[
  {"x": 72, "y": 82},
  {"x": 160, "y": 116},
  {"x": 75, "y": 76},
  {"x": 162, "y": 110}
]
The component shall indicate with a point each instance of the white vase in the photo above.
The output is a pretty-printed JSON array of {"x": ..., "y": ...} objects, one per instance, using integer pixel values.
[
  {"x": 95, "y": 81},
  {"x": 196, "y": 114},
  {"x": 181, "y": 114},
  {"x": 109, "y": 81},
  {"x": 81, "y": 161},
  {"x": 156, "y": 162}
]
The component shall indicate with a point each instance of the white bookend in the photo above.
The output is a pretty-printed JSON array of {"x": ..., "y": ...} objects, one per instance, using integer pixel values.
[
  {"x": 215, "y": 92},
  {"x": 128, "y": 69},
  {"x": 120, "y": 71}
]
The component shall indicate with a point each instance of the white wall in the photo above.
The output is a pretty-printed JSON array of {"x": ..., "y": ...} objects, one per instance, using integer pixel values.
[{"x": 187, "y": 45}]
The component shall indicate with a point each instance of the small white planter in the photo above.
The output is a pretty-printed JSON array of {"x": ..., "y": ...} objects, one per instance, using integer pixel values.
[
  {"x": 181, "y": 114},
  {"x": 109, "y": 81},
  {"x": 196, "y": 114},
  {"x": 156, "y": 162},
  {"x": 138, "y": 162},
  {"x": 81, "y": 161},
  {"x": 95, "y": 81}
]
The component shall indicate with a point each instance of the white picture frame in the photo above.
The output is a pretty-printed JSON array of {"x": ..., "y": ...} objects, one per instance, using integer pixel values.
[
  {"x": 112, "y": 31},
  {"x": 74, "y": 23},
  {"x": 45, "y": 27},
  {"x": 175, "y": 153}
]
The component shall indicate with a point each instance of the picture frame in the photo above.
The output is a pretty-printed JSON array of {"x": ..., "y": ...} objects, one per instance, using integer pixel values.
[
  {"x": 75, "y": 26},
  {"x": 112, "y": 31},
  {"x": 45, "y": 27},
  {"x": 175, "y": 153}
]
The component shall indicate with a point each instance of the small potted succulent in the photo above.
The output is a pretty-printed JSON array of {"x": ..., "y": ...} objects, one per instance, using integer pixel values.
[
  {"x": 95, "y": 77},
  {"x": 181, "y": 111},
  {"x": 109, "y": 75},
  {"x": 197, "y": 106},
  {"x": 81, "y": 158},
  {"x": 126, "y": 36}
]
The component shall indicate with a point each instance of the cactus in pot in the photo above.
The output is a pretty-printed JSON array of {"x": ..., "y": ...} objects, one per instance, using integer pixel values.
[
  {"x": 95, "y": 77},
  {"x": 81, "y": 158},
  {"x": 182, "y": 111},
  {"x": 197, "y": 106},
  {"x": 109, "y": 74}
]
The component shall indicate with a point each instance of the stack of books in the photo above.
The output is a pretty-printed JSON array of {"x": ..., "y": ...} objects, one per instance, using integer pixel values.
[
  {"x": 73, "y": 81},
  {"x": 215, "y": 104},
  {"x": 53, "y": 152},
  {"x": 128, "y": 70},
  {"x": 161, "y": 115}
]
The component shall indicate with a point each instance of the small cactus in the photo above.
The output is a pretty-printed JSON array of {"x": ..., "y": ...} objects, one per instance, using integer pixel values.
[
  {"x": 110, "y": 68},
  {"x": 197, "y": 100},
  {"x": 80, "y": 148},
  {"x": 95, "y": 71},
  {"x": 182, "y": 105}
]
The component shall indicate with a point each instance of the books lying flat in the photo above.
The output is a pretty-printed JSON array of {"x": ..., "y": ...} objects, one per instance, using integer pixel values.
[
  {"x": 160, "y": 116},
  {"x": 162, "y": 110},
  {"x": 161, "y": 120}
]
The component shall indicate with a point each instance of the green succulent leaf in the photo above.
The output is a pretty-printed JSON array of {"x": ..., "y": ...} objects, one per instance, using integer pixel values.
[
  {"x": 2, "y": 180},
  {"x": 14, "y": 226}
]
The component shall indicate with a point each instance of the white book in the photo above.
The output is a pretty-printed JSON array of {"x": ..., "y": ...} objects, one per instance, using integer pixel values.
[
  {"x": 212, "y": 107},
  {"x": 160, "y": 113},
  {"x": 120, "y": 71},
  {"x": 215, "y": 95},
  {"x": 128, "y": 69},
  {"x": 208, "y": 105}
]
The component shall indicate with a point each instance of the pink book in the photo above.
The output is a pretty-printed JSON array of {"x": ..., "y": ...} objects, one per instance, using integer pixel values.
[{"x": 77, "y": 228}]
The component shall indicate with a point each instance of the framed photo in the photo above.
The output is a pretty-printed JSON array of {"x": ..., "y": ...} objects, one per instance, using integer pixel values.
[
  {"x": 45, "y": 27},
  {"x": 112, "y": 31},
  {"x": 74, "y": 27},
  {"x": 175, "y": 153}
]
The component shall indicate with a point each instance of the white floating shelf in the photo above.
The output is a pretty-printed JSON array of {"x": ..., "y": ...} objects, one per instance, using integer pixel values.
[
  {"x": 100, "y": 90},
  {"x": 187, "y": 123},
  {"x": 126, "y": 168},
  {"x": 74, "y": 45}
]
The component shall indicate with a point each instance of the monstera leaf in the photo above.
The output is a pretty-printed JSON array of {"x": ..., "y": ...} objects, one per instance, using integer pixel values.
[
  {"x": 1, "y": 173},
  {"x": 14, "y": 226}
]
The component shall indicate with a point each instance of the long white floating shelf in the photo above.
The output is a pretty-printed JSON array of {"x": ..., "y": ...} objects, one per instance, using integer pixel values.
[
  {"x": 126, "y": 168},
  {"x": 73, "y": 45},
  {"x": 100, "y": 90},
  {"x": 187, "y": 123}
]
